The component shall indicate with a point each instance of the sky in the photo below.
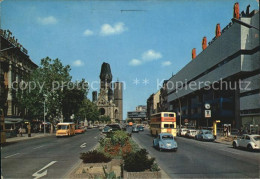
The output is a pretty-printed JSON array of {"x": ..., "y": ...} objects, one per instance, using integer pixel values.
[{"x": 145, "y": 42}]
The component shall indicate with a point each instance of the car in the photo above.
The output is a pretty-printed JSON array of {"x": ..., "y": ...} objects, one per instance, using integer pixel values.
[
  {"x": 114, "y": 127},
  {"x": 182, "y": 132},
  {"x": 106, "y": 129},
  {"x": 135, "y": 129},
  {"x": 204, "y": 135},
  {"x": 165, "y": 141},
  {"x": 79, "y": 130},
  {"x": 191, "y": 133},
  {"x": 90, "y": 127},
  {"x": 140, "y": 128},
  {"x": 250, "y": 142}
]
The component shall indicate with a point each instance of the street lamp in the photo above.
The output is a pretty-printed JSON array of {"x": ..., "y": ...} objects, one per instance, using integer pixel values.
[
  {"x": 44, "y": 113},
  {"x": 234, "y": 20},
  {"x": 179, "y": 107}
]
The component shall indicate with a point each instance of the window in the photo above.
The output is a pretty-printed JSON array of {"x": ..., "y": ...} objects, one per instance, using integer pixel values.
[
  {"x": 165, "y": 115},
  {"x": 62, "y": 127},
  {"x": 247, "y": 137},
  {"x": 169, "y": 126},
  {"x": 171, "y": 115},
  {"x": 167, "y": 137}
]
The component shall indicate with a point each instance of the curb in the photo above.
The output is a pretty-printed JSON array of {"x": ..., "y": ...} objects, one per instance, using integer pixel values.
[
  {"x": 77, "y": 164},
  {"x": 10, "y": 140},
  {"x": 164, "y": 174}
]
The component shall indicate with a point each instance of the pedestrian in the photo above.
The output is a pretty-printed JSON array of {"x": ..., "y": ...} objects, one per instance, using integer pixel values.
[
  {"x": 225, "y": 131},
  {"x": 21, "y": 131}
]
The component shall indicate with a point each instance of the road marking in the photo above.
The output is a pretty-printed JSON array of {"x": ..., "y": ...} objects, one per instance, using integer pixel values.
[
  {"x": 38, "y": 147},
  {"x": 37, "y": 175},
  {"x": 83, "y": 145},
  {"x": 11, "y": 155}
]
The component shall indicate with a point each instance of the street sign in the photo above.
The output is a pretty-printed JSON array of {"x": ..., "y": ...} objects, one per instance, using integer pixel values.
[
  {"x": 207, "y": 106},
  {"x": 217, "y": 121},
  {"x": 207, "y": 113}
]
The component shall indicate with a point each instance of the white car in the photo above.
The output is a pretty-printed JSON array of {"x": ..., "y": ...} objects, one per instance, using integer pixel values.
[
  {"x": 182, "y": 132},
  {"x": 191, "y": 133},
  {"x": 250, "y": 142}
]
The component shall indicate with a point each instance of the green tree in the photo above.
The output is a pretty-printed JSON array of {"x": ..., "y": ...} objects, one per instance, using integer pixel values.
[
  {"x": 88, "y": 110},
  {"x": 49, "y": 83}
]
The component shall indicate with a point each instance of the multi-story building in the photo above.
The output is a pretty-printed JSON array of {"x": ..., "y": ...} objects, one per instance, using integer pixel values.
[
  {"x": 139, "y": 115},
  {"x": 153, "y": 104},
  {"x": 226, "y": 75},
  {"x": 15, "y": 65}
]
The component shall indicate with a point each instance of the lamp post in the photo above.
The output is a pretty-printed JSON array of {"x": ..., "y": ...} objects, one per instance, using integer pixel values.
[{"x": 44, "y": 128}]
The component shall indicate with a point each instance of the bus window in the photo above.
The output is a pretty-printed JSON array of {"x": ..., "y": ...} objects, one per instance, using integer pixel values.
[
  {"x": 62, "y": 127},
  {"x": 171, "y": 115},
  {"x": 169, "y": 126},
  {"x": 165, "y": 115},
  {"x": 166, "y": 125}
]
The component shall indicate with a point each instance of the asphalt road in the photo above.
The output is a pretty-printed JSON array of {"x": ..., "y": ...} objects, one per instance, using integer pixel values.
[
  {"x": 203, "y": 159},
  {"x": 47, "y": 157}
]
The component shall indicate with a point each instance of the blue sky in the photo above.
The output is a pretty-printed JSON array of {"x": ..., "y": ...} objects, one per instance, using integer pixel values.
[{"x": 143, "y": 41}]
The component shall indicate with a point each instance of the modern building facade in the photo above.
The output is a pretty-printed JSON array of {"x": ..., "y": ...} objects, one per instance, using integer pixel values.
[
  {"x": 110, "y": 98},
  {"x": 226, "y": 75},
  {"x": 15, "y": 66},
  {"x": 138, "y": 115}
]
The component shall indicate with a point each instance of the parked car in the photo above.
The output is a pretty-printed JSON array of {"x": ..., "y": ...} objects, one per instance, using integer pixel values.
[
  {"x": 140, "y": 128},
  {"x": 135, "y": 129},
  {"x": 251, "y": 142},
  {"x": 106, "y": 129},
  {"x": 191, "y": 133},
  {"x": 90, "y": 127},
  {"x": 205, "y": 135},
  {"x": 182, "y": 131},
  {"x": 165, "y": 141}
]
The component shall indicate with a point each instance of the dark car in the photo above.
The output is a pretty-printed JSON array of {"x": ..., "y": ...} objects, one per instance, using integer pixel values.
[
  {"x": 140, "y": 128},
  {"x": 114, "y": 127}
]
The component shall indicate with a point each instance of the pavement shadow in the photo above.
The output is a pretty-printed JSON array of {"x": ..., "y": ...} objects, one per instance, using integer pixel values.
[{"x": 7, "y": 143}]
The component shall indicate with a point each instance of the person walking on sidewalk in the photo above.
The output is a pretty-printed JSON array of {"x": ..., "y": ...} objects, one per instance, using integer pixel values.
[{"x": 21, "y": 131}]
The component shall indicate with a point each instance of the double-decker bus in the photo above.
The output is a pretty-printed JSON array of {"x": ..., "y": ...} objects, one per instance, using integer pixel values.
[{"x": 163, "y": 122}]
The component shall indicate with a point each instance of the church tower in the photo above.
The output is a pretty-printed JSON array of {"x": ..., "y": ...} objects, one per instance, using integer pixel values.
[{"x": 118, "y": 98}]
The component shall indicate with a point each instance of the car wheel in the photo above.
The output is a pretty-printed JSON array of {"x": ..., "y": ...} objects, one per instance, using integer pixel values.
[
  {"x": 249, "y": 147},
  {"x": 234, "y": 145},
  {"x": 175, "y": 150}
]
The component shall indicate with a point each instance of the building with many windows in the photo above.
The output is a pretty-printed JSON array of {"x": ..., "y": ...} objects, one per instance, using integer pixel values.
[
  {"x": 15, "y": 65},
  {"x": 225, "y": 75}
]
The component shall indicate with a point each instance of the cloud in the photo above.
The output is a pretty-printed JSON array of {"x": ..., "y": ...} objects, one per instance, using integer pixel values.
[
  {"x": 107, "y": 29},
  {"x": 78, "y": 63},
  {"x": 166, "y": 63},
  {"x": 88, "y": 32},
  {"x": 135, "y": 62},
  {"x": 47, "y": 20},
  {"x": 148, "y": 56},
  {"x": 151, "y": 55}
]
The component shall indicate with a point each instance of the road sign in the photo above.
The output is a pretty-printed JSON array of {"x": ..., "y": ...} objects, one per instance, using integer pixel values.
[
  {"x": 207, "y": 106},
  {"x": 207, "y": 113}
]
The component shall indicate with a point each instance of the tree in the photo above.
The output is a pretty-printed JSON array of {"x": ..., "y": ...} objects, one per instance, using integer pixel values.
[
  {"x": 49, "y": 83},
  {"x": 88, "y": 110}
]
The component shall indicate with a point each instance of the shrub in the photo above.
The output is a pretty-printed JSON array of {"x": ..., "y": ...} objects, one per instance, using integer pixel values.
[
  {"x": 119, "y": 137},
  {"x": 138, "y": 161},
  {"x": 94, "y": 157}
]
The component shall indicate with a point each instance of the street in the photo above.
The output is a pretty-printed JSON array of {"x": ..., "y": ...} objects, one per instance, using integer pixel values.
[
  {"x": 47, "y": 157},
  {"x": 202, "y": 159}
]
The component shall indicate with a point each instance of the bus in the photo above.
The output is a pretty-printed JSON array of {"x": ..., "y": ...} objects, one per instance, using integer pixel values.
[
  {"x": 163, "y": 122},
  {"x": 65, "y": 129}
]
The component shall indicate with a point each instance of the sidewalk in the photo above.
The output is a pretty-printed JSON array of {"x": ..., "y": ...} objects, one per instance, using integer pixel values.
[
  {"x": 25, "y": 137},
  {"x": 225, "y": 140}
]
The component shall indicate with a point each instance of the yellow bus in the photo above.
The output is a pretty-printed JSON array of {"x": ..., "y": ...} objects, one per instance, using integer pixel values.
[
  {"x": 65, "y": 129},
  {"x": 163, "y": 122}
]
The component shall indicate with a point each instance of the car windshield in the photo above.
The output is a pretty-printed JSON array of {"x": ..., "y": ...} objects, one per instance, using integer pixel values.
[
  {"x": 62, "y": 127},
  {"x": 257, "y": 138},
  {"x": 207, "y": 132},
  {"x": 167, "y": 137}
]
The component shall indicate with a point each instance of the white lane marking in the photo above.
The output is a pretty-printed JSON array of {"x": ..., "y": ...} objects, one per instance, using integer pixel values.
[
  {"x": 37, "y": 175},
  {"x": 38, "y": 147},
  {"x": 83, "y": 145},
  {"x": 11, "y": 155}
]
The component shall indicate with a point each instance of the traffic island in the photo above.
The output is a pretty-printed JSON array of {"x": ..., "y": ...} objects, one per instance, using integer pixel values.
[{"x": 117, "y": 156}]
